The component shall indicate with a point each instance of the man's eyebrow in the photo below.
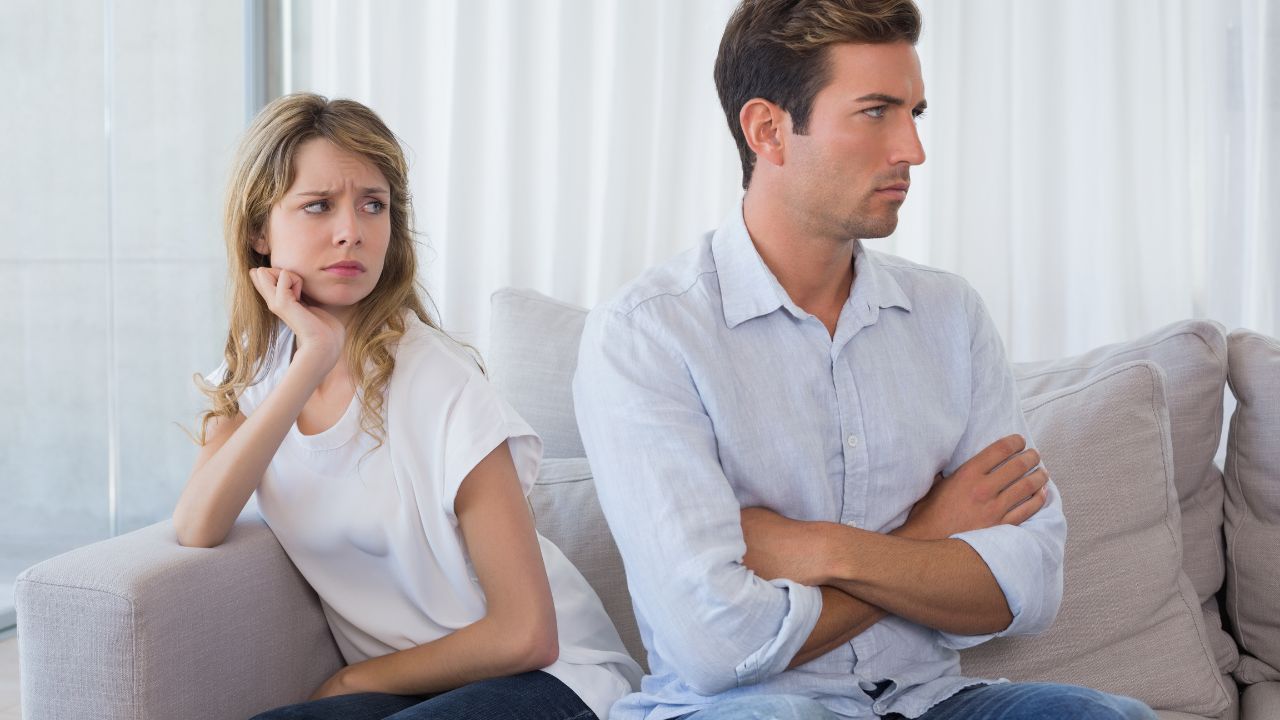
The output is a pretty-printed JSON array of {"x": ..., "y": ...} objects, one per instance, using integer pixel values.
[
  {"x": 881, "y": 97},
  {"x": 890, "y": 100}
]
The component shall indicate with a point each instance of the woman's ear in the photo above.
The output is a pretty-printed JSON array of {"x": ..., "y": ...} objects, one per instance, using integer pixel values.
[{"x": 261, "y": 246}]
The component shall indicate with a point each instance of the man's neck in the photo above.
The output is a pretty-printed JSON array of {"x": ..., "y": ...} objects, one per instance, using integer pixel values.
[{"x": 815, "y": 270}]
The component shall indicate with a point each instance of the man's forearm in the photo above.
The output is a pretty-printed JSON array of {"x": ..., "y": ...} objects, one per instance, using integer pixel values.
[
  {"x": 942, "y": 584},
  {"x": 843, "y": 618}
]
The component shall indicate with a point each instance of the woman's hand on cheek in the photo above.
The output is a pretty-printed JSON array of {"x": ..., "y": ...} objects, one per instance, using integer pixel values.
[{"x": 320, "y": 335}]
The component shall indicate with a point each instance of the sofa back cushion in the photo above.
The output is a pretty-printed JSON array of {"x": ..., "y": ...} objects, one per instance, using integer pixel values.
[
  {"x": 567, "y": 513},
  {"x": 1130, "y": 621},
  {"x": 1193, "y": 356},
  {"x": 1253, "y": 505},
  {"x": 533, "y": 352}
]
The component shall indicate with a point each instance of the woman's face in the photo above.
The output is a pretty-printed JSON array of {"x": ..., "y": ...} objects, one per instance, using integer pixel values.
[{"x": 332, "y": 227}]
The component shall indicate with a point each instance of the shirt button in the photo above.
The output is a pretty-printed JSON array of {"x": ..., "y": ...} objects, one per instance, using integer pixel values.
[{"x": 853, "y": 441}]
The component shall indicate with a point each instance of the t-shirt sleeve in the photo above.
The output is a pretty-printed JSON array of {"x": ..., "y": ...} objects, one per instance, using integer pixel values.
[
  {"x": 268, "y": 376},
  {"x": 215, "y": 377},
  {"x": 249, "y": 399},
  {"x": 477, "y": 422}
]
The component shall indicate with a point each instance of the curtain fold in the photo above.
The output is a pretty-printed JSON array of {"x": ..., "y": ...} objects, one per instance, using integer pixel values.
[{"x": 1096, "y": 169}]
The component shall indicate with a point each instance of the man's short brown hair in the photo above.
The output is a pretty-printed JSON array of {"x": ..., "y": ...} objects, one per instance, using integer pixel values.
[{"x": 777, "y": 50}]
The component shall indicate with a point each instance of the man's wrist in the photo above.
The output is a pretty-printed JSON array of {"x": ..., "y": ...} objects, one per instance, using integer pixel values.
[
  {"x": 833, "y": 543},
  {"x": 910, "y": 531}
]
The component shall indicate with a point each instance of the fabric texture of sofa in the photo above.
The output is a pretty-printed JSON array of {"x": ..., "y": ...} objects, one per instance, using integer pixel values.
[{"x": 1172, "y": 593}]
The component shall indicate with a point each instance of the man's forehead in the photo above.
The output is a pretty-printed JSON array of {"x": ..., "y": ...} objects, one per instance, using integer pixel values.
[{"x": 887, "y": 69}]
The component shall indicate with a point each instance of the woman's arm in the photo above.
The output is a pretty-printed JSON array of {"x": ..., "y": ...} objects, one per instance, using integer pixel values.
[
  {"x": 518, "y": 632},
  {"x": 237, "y": 450}
]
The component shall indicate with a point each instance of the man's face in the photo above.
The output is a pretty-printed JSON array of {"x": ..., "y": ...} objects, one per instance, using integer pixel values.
[{"x": 850, "y": 171}]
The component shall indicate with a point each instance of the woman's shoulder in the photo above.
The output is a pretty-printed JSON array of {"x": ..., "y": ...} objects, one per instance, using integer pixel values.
[{"x": 427, "y": 355}]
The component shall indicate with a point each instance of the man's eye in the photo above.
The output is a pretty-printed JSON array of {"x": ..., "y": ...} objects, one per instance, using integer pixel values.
[
  {"x": 875, "y": 112},
  {"x": 375, "y": 206},
  {"x": 318, "y": 206}
]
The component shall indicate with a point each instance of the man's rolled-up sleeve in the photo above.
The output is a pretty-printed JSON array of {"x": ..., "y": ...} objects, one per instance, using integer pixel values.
[
  {"x": 674, "y": 515},
  {"x": 1026, "y": 559}
]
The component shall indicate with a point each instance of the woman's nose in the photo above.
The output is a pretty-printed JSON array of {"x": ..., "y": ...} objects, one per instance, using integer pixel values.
[{"x": 346, "y": 231}]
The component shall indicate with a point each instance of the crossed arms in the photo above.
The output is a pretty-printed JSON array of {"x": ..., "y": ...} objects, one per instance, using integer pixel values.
[
  {"x": 917, "y": 571},
  {"x": 733, "y": 597}
]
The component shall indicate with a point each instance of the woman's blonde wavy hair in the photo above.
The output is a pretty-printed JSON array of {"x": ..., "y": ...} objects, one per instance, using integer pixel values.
[{"x": 263, "y": 172}]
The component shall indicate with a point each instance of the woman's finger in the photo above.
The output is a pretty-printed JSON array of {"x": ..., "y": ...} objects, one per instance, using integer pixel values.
[
  {"x": 260, "y": 283},
  {"x": 284, "y": 292}
]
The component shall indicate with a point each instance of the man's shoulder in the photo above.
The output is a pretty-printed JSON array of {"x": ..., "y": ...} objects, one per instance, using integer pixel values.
[
  {"x": 682, "y": 283},
  {"x": 923, "y": 283}
]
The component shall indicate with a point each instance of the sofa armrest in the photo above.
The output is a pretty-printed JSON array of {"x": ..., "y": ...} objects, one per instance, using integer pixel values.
[{"x": 140, "y": 628}]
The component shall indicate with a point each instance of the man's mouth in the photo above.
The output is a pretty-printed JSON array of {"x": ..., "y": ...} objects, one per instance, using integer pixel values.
[{"x": 897, "y": 191}]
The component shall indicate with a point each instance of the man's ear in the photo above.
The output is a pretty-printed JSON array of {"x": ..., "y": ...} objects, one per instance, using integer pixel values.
[{"x": 763, "y": 124}]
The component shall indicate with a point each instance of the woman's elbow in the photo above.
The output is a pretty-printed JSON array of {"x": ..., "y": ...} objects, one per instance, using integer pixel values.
[
  {"x": 544, "y": 651},
  {"x": 193, "y": 534},
  {"x": 534, "y": 646}
]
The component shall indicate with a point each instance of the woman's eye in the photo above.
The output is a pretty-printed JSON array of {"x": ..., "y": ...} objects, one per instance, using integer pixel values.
[
  {"x": 875, "y": 112},
  {"x": 318, "y": 206},
  {"x": 375, "y": 206}
]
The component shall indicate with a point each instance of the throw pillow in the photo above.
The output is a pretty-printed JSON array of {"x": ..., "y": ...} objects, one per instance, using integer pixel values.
[
  {"x": 1253, "y": 504},
  {"x": 1193, "y": 355},
  {"x": 1130, "y": 621}
]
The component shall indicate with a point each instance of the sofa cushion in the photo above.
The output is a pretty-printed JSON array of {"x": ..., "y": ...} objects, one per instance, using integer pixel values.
[
  {"x": 567, "y": 513},
  {"x": 1130, "y": 622},
  {"x": 533, "y": 352},
  {"x": 1193, "y": 356},
  {"x": 1261, "y": 701},
  {"x": 1253, "y": 505}
]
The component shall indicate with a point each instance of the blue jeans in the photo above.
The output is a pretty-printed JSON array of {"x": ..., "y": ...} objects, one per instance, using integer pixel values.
[
  {"x": 1027, "y": 701},
  {"x": 529, "y": 696},
  {"x": 1014, "y": 701}
]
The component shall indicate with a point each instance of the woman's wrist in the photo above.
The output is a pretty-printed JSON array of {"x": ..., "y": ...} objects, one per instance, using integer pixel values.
[{"x": 314, "y": 364}]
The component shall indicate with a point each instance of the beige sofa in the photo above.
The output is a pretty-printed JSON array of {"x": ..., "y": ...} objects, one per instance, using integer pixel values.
[{"x": 1172, "y": 570}]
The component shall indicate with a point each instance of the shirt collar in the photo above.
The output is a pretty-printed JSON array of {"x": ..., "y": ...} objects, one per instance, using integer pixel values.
[{"x": 748, "y": 289}]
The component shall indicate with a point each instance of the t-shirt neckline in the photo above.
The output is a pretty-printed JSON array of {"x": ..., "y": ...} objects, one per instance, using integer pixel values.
[{"x": 335, "y": 436}]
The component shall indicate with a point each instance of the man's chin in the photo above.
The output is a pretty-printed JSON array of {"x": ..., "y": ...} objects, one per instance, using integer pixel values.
[{"x": 869, "y": 228}]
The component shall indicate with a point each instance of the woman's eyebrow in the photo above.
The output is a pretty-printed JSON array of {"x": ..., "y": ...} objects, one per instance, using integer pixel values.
[{"x": 372, "y": 190}]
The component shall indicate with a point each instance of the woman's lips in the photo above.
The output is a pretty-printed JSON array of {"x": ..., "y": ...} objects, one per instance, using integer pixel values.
[{"x": 345, "y": 269}]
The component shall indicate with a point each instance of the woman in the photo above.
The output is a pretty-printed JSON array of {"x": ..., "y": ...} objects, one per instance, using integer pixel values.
[{"x": 391, "y": 472}]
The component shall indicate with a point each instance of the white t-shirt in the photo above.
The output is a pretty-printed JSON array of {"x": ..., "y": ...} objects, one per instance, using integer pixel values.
[{"x": 374, "y": 532}]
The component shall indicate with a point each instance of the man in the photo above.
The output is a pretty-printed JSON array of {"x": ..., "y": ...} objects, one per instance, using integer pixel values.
[{"x": 811, "y": 455}]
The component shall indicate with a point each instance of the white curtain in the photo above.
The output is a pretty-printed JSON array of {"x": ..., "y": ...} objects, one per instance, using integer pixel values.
[{"x": 1096, "y": 169}]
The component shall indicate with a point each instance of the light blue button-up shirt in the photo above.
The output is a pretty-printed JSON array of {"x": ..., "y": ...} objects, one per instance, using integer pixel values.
[{"x": 702, "y": 389}]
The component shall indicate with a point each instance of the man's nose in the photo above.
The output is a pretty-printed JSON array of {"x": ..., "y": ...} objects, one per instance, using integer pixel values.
[{"x": 908, "y": 147}]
